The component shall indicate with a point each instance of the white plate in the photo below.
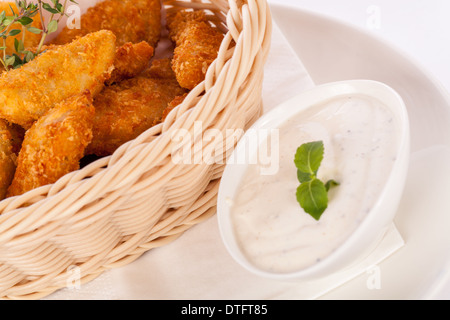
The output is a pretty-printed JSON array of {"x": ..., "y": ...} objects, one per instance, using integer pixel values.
[{"x": 333, "y": 51}]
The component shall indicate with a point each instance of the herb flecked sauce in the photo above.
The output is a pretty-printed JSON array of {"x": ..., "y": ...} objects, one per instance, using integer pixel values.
[{"x": 360, "y": 136}]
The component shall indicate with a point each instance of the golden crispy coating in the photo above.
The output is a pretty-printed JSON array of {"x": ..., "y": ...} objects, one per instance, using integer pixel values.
[
  {"x": 126, "y": 109},
  {"x": 159, "y": 69},
  {"x": 54, "y": 145},
  {"x": 177, "y": 21},
  {"x": 31, "y": 39},
  {"x": 131, "y": 59},
  {"x": 45, "y": 47},
  {"x": 172, "y": 105},
  {"x": 197, "y": 44},
  {"x": 11, "y": 137},
  {"x": 130, "y": 20},
  {"x": 85, "y": 64}
]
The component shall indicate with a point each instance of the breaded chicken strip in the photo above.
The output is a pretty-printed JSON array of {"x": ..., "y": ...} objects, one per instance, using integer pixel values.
[
  {"x": 130, "y": 20},
  {"x": 160, "y": 69},
  {"x": 31, "y": 39},
  {"x": 131, "y": 59},
  {"x": 127, "y": 109},
  {"x": 54, "y": 145},
  {"x": 197, "y": 45},
  {"x": 85, "y": 64},
  {"x": 177, "y": 22},
  {"x": 172, "y": 105},
  {"x": 11, "y": 137}
]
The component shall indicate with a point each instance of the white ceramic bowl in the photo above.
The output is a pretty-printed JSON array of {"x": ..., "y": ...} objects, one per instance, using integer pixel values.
[{"x": 371, "y": 230}]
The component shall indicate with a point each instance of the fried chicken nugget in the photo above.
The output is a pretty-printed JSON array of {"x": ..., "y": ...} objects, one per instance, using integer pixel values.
[
  {"x": 172, "y": 105},
  {"x": 54, "y": 145},
  {"x": 160, "y": 69},
  {"x": 11, "y": 137},
  {"x": 31, "y": 39},
  {"x": 197, "y": 45},
  {"x": 84, "y": 64},
  {"x": 130, "y": 20},
  {"x": 131, "y": 59},
  {"x": 127, "y": 109}
]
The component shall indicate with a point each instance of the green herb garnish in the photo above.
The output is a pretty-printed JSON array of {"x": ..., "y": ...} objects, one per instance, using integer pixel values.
[
  {"x": 22, "y": 21},
  {"x": 312, "y": 194}
]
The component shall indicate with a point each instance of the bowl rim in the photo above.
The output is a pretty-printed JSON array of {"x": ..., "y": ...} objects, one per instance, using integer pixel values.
[{"x": 232, "y": 176}]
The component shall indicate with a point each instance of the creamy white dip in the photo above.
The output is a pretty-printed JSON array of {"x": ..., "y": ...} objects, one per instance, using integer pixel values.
[{"x": 361, "y": 139}]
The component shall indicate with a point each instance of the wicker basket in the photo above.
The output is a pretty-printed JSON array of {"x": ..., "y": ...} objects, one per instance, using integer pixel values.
[{"x": 112, "y": 211}]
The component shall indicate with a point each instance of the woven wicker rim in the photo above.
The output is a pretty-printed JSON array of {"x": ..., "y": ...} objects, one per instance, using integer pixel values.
[{"x": 112, "y": 211}]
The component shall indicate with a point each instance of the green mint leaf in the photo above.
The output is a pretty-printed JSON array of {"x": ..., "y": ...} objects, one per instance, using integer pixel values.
[
  {"x": 303, "y": 177},
  {"x": 313, "y": 197},
  {"x": 330, "y": 184},
  {"x": 309, "y": 156},
  {"x": 312, "y": 194}
]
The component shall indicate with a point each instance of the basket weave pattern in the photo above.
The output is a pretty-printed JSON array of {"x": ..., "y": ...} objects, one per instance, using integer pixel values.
[{"x": 110, "y": 212}]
